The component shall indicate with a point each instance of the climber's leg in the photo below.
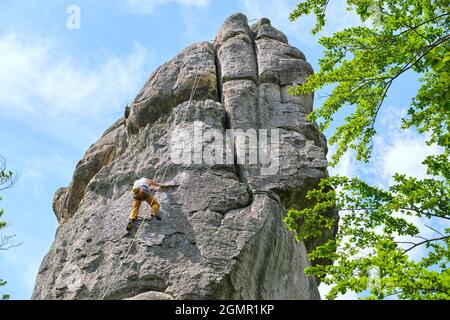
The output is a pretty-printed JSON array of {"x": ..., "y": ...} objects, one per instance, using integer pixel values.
[
  {"x": 135, "y": 211},
  {"x": 154, "y": 204}
]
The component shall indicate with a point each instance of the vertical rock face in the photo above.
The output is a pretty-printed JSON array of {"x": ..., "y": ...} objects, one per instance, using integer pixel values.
[{"x": 221, "y": 234}]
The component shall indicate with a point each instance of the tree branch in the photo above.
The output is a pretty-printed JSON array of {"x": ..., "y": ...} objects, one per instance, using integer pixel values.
[
  {"x": 425, "y": 213},
  {"x": 6, "y": 243},
  {"x": 424, "y": 242},
  {"x": 411, "y": 29}
]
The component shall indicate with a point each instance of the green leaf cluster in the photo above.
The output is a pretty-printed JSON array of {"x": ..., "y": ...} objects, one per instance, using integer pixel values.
[{"x": 378, "y": 228}]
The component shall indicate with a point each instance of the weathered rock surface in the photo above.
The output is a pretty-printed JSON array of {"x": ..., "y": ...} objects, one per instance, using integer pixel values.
[{"x": 221, "y": 234}]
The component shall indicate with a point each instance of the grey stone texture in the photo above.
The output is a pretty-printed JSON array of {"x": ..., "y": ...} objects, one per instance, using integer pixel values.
[{"x": 222, "y": 234}]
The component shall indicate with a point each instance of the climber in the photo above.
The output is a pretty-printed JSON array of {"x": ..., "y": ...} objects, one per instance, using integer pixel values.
[{"x": 142, "y": 191}]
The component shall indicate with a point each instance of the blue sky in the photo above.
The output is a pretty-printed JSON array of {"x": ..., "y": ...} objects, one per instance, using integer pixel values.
[{"x": 60, "y": 89}]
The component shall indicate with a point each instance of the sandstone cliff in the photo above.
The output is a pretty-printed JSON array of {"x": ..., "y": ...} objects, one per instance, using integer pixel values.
[{"x": 221, "y": 234}]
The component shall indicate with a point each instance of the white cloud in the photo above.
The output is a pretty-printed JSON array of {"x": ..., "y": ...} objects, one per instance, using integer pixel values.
[
  {"x": 405, "y": 155},
  {"x": 34, "y": 71},
  {"x": 149, "y": 6},
  {"x": 395, "y": 150},
  {"x": 47, "y": 87},
  {"x": 346, "y": 166},
  {"x": 398, "y": 150}
]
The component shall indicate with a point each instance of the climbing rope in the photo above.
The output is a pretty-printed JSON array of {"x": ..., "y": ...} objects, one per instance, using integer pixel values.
[{"x": 194, "y": 88}]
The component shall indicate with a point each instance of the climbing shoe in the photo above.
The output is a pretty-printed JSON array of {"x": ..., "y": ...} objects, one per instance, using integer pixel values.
[
  {"x": 157, "y": 217},
  {"x": 130, "y": 224}
]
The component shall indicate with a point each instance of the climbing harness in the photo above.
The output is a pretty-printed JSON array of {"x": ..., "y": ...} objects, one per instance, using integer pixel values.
[{"x": 144, "y": 189}]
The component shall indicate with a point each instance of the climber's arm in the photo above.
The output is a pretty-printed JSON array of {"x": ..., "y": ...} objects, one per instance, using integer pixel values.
[{"x": 153, "y": 183}]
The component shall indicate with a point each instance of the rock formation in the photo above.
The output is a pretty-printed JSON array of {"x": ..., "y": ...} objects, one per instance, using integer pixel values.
[{"x": 221, "y": 234}]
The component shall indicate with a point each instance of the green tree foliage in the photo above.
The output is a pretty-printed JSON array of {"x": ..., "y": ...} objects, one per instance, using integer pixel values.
[
  {"x": 360, "y": 64},
  {"x": 7, "y": 180}
]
